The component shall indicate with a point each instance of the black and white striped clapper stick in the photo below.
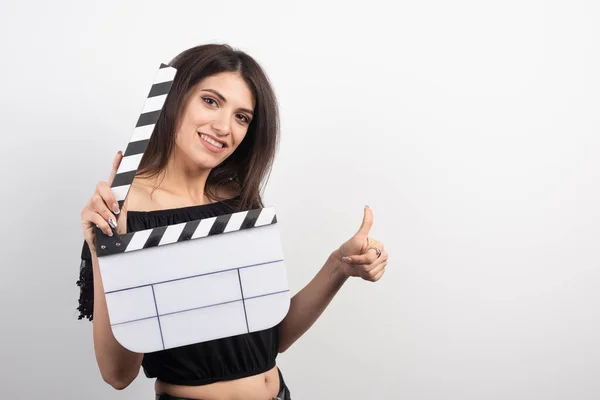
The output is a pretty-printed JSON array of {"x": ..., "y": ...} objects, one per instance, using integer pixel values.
[
  {"x": 188, "y": 283},
  {"x": 143, "y": 131}
]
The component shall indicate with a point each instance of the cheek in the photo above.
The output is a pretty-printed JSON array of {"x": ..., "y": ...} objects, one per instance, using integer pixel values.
[
  {"x": 239, "y": 135},
  {"x": 184, "y": 138},
  {"x": 180, "y": 136}
]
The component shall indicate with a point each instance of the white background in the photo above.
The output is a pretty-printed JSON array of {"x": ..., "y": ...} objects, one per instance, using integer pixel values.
[{"x": 471, "y": 128}]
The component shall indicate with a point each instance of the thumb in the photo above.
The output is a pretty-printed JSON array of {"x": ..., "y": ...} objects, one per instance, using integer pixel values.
[
  {"x": 115, "y": 167},
  {"x": 367, "y": 222}
]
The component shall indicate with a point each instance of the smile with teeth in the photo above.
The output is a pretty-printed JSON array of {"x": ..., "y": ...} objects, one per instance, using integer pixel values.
[{"x": 211, "y": 141}]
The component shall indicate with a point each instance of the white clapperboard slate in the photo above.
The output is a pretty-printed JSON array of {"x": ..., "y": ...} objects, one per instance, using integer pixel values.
[{"x": 192, "y": 282}]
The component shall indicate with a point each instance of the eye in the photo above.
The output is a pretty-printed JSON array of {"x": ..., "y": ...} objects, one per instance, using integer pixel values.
[
  {"x": 208, "y": 99},
  {"x": 243, "y": 118}
]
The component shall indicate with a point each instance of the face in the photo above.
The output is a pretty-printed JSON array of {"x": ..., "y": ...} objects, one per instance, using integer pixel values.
[{"x": 215, "y": 119}]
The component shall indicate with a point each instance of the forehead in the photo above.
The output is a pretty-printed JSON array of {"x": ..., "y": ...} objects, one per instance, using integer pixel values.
[{"x": 231, "y": 86}]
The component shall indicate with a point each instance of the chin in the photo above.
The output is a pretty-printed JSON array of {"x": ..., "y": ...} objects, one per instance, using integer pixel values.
[
  {"x": 205, "y": 164},
  {"x": 205, "y": 161}
]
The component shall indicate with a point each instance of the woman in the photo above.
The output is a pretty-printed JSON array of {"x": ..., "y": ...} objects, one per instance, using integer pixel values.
[{"x": 212, "y": 148}]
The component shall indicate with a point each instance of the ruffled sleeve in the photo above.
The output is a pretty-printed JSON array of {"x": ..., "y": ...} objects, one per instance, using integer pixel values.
[{"x": 86, "y": 284}]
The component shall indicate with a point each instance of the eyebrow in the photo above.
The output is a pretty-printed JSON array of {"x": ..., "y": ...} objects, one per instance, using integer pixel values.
[{"x": 220, "y": 96}]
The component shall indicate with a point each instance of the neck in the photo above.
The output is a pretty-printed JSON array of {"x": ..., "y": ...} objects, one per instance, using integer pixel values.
[{"x": 185, "y": 180}]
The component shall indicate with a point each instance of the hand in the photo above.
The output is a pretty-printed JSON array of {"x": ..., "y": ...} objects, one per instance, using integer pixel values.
[
  {"x": 98, "y": 210},
  {"x": 359, "y": 254}
]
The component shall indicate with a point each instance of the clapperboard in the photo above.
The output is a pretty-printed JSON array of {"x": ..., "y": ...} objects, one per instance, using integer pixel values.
[{"x": 192, "y": 282}]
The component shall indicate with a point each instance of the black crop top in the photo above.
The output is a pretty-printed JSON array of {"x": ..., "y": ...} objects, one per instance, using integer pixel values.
[{"x": 198, "y": 364}]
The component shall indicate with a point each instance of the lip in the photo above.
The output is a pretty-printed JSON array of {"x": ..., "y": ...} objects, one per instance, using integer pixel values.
[
  {"x": 214, "y": 138},
  {"x": 210, "y": 147}
]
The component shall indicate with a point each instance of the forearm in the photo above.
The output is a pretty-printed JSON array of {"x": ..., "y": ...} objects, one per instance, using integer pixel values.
[
  {"x": 308, "y": 304},
  {"x": 118, "y": 366}
]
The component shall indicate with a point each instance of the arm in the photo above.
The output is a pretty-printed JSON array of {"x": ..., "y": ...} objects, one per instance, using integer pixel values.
[
  {"x": 308, "y": 304},
  {"x": 359, "y": 256},
  {"x": 118, "y": 366}
]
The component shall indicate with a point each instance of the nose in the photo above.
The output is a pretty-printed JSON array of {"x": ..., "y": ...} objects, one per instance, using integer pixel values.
[{"x": 221, "y": 125}]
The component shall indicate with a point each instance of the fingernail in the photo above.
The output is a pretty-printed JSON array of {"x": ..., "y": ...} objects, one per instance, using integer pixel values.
[
  {"x": 115, "y": 208},
  {"x": 111, "y": 222},
  {"x": 346, "y": 259},
  {"x": 366, "y": 206},
  {"x": 109, "y": 233}
]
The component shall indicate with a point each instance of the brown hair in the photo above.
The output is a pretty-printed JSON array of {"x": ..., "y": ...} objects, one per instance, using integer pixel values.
[{"x": 248, "y": 167}]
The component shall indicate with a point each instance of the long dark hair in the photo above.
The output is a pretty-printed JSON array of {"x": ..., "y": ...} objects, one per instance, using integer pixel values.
[{"x": 246, "y": 170}]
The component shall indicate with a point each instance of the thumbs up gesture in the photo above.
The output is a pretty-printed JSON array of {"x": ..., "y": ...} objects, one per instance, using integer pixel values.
[{"x": 363, "y": 256}]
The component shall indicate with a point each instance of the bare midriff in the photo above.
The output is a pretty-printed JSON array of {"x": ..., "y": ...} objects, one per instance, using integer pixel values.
[{"x": 264, "y": 386}]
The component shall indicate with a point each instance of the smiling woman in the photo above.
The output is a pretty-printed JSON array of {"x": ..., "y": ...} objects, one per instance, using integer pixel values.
[
  {"x": 211, "y": 150},
  {"x": 219, "y": 95}
]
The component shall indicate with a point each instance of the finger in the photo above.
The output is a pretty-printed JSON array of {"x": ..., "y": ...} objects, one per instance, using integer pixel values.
[
  {"x": 90, "y": 217},
  {"x": 115, "y": 167},
  {"x": 367, "y": 222},
  {"x": 364, "y": 259},
  {"x": 367, "y": 258},
  {"x": 375, "y": 243},
  {"x": 99, "y": 206},
  {"x": 368, "y": 268},
  {"x": 376, "y": 273},
  {"x": 103, "y": 189},
  {"x": 366, "y": 271}
]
